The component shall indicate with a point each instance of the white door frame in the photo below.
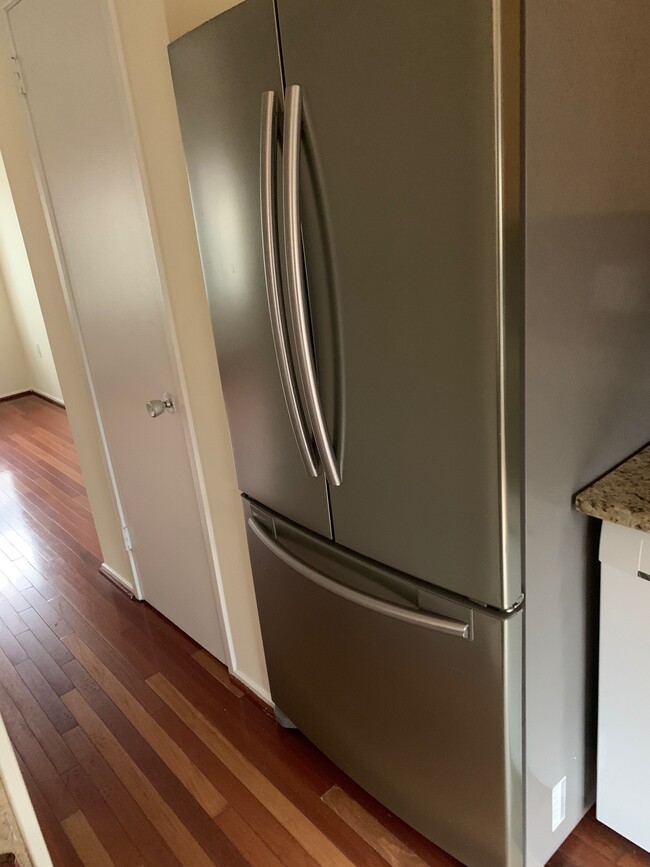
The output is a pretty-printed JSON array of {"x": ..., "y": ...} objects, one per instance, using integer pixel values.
[{"x": 180, "y": 384}]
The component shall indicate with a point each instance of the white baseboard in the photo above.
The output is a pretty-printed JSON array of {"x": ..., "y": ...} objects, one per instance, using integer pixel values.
[
  {"x": 114, "y": 576},
  {"x": 47, "y": 396},
  {"x": 25, "y": 392},
  {"x": 259, "y": 691},
  {"x": 19, "y": 393}
]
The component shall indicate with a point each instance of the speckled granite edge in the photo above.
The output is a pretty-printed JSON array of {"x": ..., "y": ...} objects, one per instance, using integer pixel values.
[{"x": 623, "y": 495}]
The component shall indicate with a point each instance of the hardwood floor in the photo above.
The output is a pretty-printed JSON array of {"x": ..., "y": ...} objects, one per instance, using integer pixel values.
[{"x": 136, "y": 747}]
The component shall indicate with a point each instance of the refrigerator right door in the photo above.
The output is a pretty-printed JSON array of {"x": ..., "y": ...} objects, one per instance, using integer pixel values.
[
  {"x": 416, "y": 696},
  {"x": 399, "y": 112}
]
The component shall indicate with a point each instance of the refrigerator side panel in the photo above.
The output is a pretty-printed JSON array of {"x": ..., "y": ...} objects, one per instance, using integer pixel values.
[
  {"x": 426, "y": 721},
  {"x": 220, "y": 71},
  {"x": 401, "y": 117},
  {"x": 587, "y": 360}
]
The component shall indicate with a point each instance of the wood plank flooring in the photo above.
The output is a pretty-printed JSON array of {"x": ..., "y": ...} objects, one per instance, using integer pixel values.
[{"x": 136, "y": 747}]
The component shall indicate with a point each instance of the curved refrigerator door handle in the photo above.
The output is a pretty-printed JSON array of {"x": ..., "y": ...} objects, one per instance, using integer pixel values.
[
  {"x": 434, "y": 622},
  {"x": 270, "y": 247},
  {"x": 296, "y": 281}
]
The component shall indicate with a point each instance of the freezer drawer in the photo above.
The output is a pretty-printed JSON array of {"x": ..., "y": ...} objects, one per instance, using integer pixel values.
[{"x": 416, "y": 696}]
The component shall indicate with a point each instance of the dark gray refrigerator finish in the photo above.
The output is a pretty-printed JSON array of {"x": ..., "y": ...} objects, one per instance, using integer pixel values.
[
  {"x": 422, "y": 691},
  {"x": 357, "y": 171},
  {"x": 220, "y": 74},
  {"x": 357, "y": 287},
  {"x": 402, "y": 261}
]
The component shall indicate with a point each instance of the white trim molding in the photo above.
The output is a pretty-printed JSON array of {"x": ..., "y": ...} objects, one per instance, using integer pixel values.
[
  {"x": 259, "y": 691},
  {"x": 26, "y": 392},
  {"x": 50, "y": 397},
  {"x": 22, "y": 392},
  {"x": 110, "y": 573}
]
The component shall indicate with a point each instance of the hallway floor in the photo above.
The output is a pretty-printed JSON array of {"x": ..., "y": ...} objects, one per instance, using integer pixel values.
[{"x": 136, "y": 747}]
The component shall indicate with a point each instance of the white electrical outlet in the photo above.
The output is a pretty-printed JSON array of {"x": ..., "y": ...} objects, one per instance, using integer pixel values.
[{"x": 558, "y": 799}]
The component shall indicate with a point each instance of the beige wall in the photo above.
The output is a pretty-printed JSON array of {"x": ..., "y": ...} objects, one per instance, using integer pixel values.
[
  {"x": 184, "y": 15},
  {"x": 143, "y": 28},
  {"x": 14, "y": 147},
  {"x": 608, "y": 177},
  {"x": 14, "y": 268},
  {"x": 15, "y": 374}
]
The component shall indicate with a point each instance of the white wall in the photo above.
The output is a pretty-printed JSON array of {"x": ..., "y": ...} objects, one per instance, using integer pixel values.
[
  {"x": 21, "y": 292},
  {"x": 15, "y": 374}
]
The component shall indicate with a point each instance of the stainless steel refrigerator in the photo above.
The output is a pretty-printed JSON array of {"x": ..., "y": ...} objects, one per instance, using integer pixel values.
[{"x": 357, "y": 175}]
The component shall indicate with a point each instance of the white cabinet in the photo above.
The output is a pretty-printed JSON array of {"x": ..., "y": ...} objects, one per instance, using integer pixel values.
[{"x": 623, "y": 799}]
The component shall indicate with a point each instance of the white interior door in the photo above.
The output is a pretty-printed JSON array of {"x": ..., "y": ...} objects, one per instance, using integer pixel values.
[{"x": 79, "y": 111}]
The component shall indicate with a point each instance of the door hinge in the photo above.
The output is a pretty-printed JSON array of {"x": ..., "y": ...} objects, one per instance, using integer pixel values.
[
  {"x": 128, "y": 544},
  {"x": 18, "y": 75},
  {"x": 558, "y": 804}
]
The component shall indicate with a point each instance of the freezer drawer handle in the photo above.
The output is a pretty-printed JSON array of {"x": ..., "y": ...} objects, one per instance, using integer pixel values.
[
  {"x": 406, "y": 615},
  {"x": 270, "y": 247},
  {"x": 296, "y": 279}
]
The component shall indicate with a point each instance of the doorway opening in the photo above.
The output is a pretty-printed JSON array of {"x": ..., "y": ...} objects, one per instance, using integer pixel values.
[
  {"x": 26, "y": 361},
  {"x": 42, "y": 493}
]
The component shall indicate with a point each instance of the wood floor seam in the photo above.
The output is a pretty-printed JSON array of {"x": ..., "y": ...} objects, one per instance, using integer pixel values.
[
  {"x": 191, "y": 777},
  {"x": 320, "y": 848},
  {"x": 152, "y": 803}
]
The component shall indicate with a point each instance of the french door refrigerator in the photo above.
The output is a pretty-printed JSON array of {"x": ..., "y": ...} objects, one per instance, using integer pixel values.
[
  {"x": 351, "y": 255},
  {"x": 355, "y": 177}
]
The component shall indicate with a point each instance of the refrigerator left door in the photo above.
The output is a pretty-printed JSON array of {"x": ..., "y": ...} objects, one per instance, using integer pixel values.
[{"x": 220, "y": 72}]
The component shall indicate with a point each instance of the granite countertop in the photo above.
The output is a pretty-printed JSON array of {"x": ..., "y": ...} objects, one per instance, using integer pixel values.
[{"x": 622, "y": 495}]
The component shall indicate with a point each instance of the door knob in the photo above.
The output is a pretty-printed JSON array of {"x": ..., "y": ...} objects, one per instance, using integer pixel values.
[{"x": 158, "y": 407}]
